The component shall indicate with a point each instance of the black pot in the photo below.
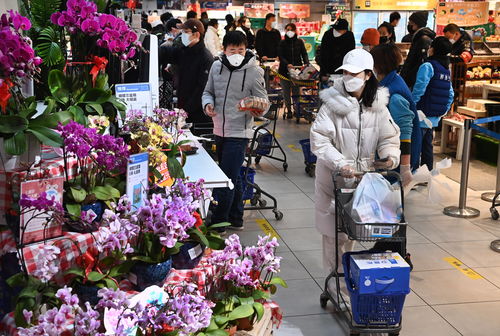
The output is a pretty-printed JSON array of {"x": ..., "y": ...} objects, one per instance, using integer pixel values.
[
  {"x": 81, "y": 227},
  {"x": 189, "y": 256},
  {"x": 151, "y": 274},
  {"x": 87, "y": 293}
]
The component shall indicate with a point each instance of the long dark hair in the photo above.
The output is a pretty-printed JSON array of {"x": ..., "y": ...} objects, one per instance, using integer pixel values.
[
  {"x": 442, "y": 49},
  {"x": 370, "y": 91}
]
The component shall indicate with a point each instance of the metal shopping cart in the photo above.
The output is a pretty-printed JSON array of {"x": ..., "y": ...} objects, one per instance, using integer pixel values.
[
  {"x": 381, "y": 313},
  {"x": 309, "y": 157}
]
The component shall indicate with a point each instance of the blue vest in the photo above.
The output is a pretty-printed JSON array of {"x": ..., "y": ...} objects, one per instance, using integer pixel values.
[
  {"x": 434, "y": 102},
  {"x": 396, "y": 85}
]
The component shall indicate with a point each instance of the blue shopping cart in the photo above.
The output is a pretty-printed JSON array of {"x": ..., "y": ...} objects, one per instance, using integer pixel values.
[{"x": 309, "y": 157}]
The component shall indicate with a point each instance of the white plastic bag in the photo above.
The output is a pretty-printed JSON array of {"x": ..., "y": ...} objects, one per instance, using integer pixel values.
[
  {"x": 439, "y": 191},
  {"x": 375, "y": 200}
]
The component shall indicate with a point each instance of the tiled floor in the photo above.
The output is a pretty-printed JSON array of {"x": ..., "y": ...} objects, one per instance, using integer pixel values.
[{"x": 444, "y": 301}]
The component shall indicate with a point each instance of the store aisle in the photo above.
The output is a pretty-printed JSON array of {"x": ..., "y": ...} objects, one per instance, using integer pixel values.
[{"x": 445, "y": 301}]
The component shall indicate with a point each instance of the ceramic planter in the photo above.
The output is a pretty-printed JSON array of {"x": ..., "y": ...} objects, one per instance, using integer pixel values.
[
  {"x": 151, "y": 274},
  {"x": 189, "y": 256}
]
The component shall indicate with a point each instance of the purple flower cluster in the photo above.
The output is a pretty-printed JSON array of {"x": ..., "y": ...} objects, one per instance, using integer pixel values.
[
  {"x": 110, "y": 153},
  {"x": 41, "y": 203},
  {"x": 262, "y": 255},
  {"x": 112, "y": 299},
  {"x": 189, "y": 313},
  {"x": 239, "y": 273},
  {"x": 113, "y": 33},
  {"x": 233, "y": 250},
  {"x": 168, "y": 118},
  {"x": 17, "y": 58},
  {"x": 45, "y": 259},
  {"x": 116, "y": 233}
]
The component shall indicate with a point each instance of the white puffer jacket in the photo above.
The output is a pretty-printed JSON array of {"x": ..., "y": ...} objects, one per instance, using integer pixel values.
[{"x": 342, "y": 135}]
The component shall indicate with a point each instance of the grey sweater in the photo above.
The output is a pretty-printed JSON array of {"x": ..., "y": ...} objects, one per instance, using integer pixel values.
[{"x": 226, "y": 88}]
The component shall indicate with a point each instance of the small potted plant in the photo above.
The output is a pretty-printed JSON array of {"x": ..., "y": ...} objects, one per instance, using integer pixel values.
[{"x": 101, "y": 158}]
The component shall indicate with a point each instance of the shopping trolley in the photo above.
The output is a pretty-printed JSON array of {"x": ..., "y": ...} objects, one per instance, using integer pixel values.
[
  {"x": 385, "y": 310},
  {"x": 309, "y": 157}
]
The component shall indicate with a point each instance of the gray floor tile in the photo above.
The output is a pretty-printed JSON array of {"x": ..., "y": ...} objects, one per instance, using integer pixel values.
[
  {"x": 473, "y": 319},
  {"x": 424, "y": 321},
  {"x": 284, "y": 186},
  {"x": 452, "y": 286},
  {"x": 291, "y": 268},
  {"x": 413, "y": 300},
  {"x": 292, "y": 219},
  {"x": 473, "y": 253},
  {"x": 451, "y": 230},
  {"x": 428, "y": 257},
  {"x": 310, "y": 325},
  {"x": 414, "y": 237},
  {"x": 301, "y": 239},
  {"x": 292, "y": 201},
  {"x": 300, "y": 298},
  {"x": 492, "y": 274}
]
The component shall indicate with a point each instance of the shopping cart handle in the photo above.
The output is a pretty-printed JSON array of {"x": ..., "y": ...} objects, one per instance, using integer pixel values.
[{"x": 384, "y": 282}]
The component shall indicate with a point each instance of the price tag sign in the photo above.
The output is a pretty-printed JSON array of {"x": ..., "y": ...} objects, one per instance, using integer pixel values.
[
  {"x": 137, "y": 96},
  {"x": 137, "y": 179}
]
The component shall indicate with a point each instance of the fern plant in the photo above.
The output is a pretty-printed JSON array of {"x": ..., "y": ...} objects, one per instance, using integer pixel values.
[{"x": 48, "y": 47}]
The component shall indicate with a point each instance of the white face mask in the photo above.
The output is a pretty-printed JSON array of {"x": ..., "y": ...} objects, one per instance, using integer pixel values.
[
  {"x": 336, "y": 33},
  {"x": 235, "y": 59},
  {"x": 248, "y": 24},
  {"x": 186, "y": 39},
  {"x": 290, "y": 34},
  {"x": 352, "y": 84},
  {"x": 452, "y": 41}
]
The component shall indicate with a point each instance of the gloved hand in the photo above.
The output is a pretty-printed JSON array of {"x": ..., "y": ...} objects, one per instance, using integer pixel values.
[
  {"x": 406, "y": 175},
  {"x": 347, "y": 171},
  {"x": 383, "y": 164}
]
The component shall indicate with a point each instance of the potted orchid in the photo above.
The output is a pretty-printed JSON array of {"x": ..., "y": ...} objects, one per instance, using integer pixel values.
[
  {"x": 244, "y": 280},
  {"x": 100, "y": 161},
  {"x": 20, "y": 130}
]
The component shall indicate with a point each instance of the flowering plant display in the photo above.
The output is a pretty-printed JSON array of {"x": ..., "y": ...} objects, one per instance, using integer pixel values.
[
  {"x": 245, "y": 278},
  {"x": 100, "y": 157}
]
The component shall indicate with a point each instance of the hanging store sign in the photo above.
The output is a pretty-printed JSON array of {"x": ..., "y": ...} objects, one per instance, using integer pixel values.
[
  {"x": 295, "y": 11},
  {"x": 258, "y": 10},
  {"x": 463, "y": 14},
  {"x": 400, "y": 5},
  {"x": 214, "y": 5}
]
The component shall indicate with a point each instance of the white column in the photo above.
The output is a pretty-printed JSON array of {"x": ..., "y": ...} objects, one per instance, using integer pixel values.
[{"x": 5, "y": 5}]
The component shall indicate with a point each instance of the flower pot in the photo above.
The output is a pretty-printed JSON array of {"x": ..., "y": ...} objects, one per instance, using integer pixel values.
[
  {"x": 245, "y": 323},
  {"x": 83, "y": 227},
  {"x": 9, "y": 162},
  {"x": 87, "y": 293},
  {"x": 232, "y": 330},
  {"x": 189, "y": 256},
  {"x": 151, "y": 274}
]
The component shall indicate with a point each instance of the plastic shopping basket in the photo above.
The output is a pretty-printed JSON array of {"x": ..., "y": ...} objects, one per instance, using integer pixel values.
[
  {"x": 309, "y": 157},
  {"x": 248, "y": 190},
  {"x": 373, "y": 309}
]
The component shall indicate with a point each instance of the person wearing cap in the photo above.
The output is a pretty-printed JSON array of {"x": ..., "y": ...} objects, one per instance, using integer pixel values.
[
  {"x": 422, "y": 38},
  {"x": 212, "y": 39},
  {"x": 193, "y": 62},
  {"x": 387, "y": 34},
  {"x": 335, "y": 44},
  {"x": 267, "y": 39},
  {"x": 292, "y": 52},
  {"x": 352, "y": 125},
  {"x": 387, "y": 58},
  {"x": 370, "y": 39},
  {"x": 236, "y": 75},
  {"x": 433, "y": 93}
]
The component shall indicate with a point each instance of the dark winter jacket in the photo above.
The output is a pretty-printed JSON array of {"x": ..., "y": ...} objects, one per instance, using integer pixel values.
[
  {"x": 291, "y": 51},
  {"x": 193, "y": 66},
  {"x": 435, "y": 101},
  {"x": 462, "y": 50},
  {"x": 333, "y": 50},
  {"x": 250, "y": 36},
  {"x": 266, "y": 42},
  {"x": 417, "y": 54}
]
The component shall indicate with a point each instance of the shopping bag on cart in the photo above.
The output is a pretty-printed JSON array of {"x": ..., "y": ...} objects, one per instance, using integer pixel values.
[{"x": 375, "y": 200}]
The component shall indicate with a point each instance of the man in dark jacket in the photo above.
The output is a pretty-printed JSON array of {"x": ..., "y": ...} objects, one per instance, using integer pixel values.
[
  {"x": 336, "y": 43},
  {"x": 193, "y": 63},
  {"x": 420, "y": 44},
  {"x": 292, "y": 52},
  {"x": 267, "y": 39}
]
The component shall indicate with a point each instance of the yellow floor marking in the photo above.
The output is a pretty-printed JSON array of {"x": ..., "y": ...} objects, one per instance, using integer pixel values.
[
  {"x": 267, "y": 228},
  {"x": 277, "y": 135},
  {"x": 462, "y": 268},
  {"x": 294, "y": 148}
]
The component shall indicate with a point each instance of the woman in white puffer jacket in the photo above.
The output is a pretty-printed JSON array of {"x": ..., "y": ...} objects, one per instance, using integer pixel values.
[{"x": 352, "y": 125}]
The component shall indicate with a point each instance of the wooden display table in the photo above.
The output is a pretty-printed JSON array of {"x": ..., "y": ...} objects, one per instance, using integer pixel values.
[
  {"x": 487, "y": 88},
  {"x": 263, "y": 328}
]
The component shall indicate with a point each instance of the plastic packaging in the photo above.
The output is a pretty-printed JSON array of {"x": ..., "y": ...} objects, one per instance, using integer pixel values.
[{"x": 253, "y": 104}]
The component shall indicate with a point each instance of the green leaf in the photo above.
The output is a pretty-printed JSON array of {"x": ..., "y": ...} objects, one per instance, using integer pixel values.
[
  {"x": 96, "y": 107},
  {"x": 16, "y": 144},
  {"x": 95, "y": 96},
  {"x": 202, "y": 239},
  {"x": 241, "y": 312},
  {"x": 278, "y": 281},
  {"x": 213, "y": 325},
  {"x": 52, "y": 120},
  {"x": 74, "y": 209},
  {"x": 41, "y": 10},
  {"x": 273, "y": 289},
  {"x": 219, "y": 225},
  {"x": 175, "y": 168},
  {"x": 217, "y": 332},
  {"x": 101, "y": 82},
  {"x": 22, "y": 304},
  {"x": 75, "y": 271},
  {"x": 78, "y": 114},
  {"x": 221, "y": 320},
  {"x": 259, "y": 295},
  {"x": 259, "y": 309},
  {"x": 121, "y": 269},
  {"x": 110, "y": 283},
  {"x": 145, "y": 259},
  {"x": 246, "y": 301},
  {"x": 96, "y": 276},
  {"x": 46, "y": 135},
  {"x": 57, "y": 81},
  {"x": 11, "y": 124},
  {"x": 17, "y": 280},
  {"x": 118, "y": 103},
  {"x": 28, "y": 292},
  {"x": 106, "y": 193},
  {"x": 78, "y": 195}
]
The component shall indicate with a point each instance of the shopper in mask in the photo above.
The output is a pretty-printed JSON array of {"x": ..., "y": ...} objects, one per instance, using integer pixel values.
[
  {"x": 193, "y": 62},
  {"x": 268, "y": 39},
  {"x": 336, "y": 43},
  {"x": 387, "y": 58},
  {"x": 173, "y": 32},
  {"x": 212, "y": 39},
  {"x": 204, "y": 19},
  {"x": 370, "y": 39},
  {"x": 386, "y": 31},
  {"x": 352, "y": 125},
  {"x": 292, "y": 52},
  {"x": 421, "y": 41},
  {"x": 237, "y": 75},
  {"x": 433, "y": 93},
  {"x": 245, "y": 26}
]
